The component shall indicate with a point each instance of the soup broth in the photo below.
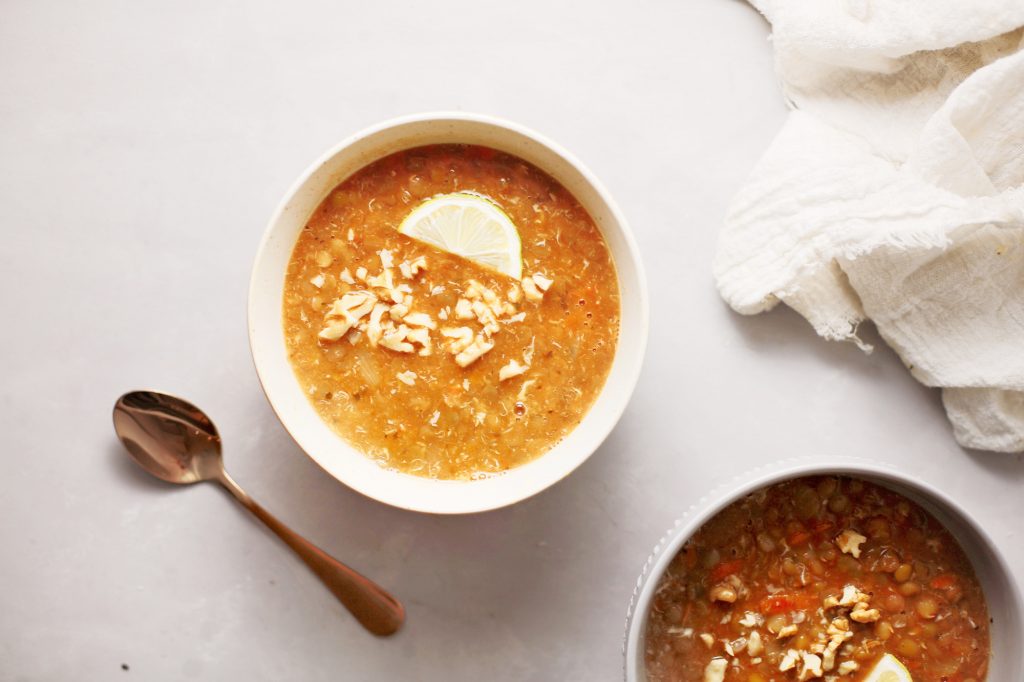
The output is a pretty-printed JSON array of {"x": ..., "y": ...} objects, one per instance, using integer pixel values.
[
  {"x": 449, "y": 369},
  {"x": 818, "y": 578}
]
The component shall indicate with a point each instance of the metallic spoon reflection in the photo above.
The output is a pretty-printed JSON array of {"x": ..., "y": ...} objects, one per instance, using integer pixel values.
[{"x": 175, "y": 441}]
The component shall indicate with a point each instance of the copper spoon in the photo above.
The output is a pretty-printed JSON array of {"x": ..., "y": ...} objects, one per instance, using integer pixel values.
[{"x": 173, "y": 440}]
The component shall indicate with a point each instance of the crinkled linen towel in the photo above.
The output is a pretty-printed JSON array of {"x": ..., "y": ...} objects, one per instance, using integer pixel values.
[{"x": 895, "y": 193}]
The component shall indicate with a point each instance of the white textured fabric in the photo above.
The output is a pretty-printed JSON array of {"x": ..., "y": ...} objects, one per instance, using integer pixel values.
[{"x": 895, "y": 192}]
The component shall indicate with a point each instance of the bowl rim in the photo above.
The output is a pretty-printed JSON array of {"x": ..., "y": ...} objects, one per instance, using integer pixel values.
[
  {"x": 755, "y": 478},
  {"x": 627, "y": 381}
]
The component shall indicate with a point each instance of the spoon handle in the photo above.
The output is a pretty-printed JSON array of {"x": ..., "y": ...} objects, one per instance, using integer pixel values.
[{"x": 372, "y": 606}]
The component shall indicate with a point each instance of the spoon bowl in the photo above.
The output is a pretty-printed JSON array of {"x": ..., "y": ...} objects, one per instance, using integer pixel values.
[
  {"x": 169, "y": 437},
  {"x": 175, "y": 441}
]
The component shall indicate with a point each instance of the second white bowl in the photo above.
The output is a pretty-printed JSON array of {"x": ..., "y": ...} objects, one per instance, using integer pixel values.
[{"x": 1001, "y": 593}]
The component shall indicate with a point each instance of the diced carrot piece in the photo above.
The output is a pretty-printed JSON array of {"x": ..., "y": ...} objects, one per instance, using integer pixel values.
[
  {"x": 784, "y": 602},
  {"x": 723, "y": 569},
  {"x": 691, "y": 556},
  {"x": 822, "y": 525},
  {"x": 941, "y": 582},
  {"x": 798, "y": 538}
]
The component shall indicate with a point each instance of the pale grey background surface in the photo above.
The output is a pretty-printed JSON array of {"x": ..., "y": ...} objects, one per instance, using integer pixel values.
[{"x": 142, "y": 149}]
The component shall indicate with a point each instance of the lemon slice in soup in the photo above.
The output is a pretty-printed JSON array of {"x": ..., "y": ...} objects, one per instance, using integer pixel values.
[
  {"x": 889, "y": 669},
  {"x": 470, "y": 226}
]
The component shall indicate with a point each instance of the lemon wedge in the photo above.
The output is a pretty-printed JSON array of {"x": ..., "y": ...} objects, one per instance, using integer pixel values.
[
  {"x": 889, "y": 669},
  {"x": 471, "y": 226}
]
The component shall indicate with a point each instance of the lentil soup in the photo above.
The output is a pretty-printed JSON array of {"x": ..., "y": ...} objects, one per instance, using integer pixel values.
[
  {"x": 427, "y": 362},
  {"x": 818, "y": 577}
]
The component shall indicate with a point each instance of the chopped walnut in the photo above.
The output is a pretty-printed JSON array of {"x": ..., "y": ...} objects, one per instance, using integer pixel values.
[
  {"x": 812, "y": 667},
  {"x": 475, "y": 291},
  {"x": 398, "y": 311},
  {"x": 485, "y": 316},
  {"x": 353, "y": 305},
  {"x": 461, "y": 338},
  {"x": 335, "y": 330},
  {"x": 724, "y": 593},
  {"x": 410, "y": 269},
  {"x": 531, "y": 291},
  {"x": 396, "y": 340},
  {"x": 839, "y": 632},
  {"x": 851, "y": 595},
  {"x": 749, "y": 619},
  {"x": 754, "y": 645},
  {"x": 839, "y": 627},
  {"x": 788, "y": 661},
  {"x": 374, "y": 330},
  {"x": 847, "y": 667},
  {"x": 715, "y": 670},
  {"x": 828, "y": 658},
  {"x": 849, "y": 541},
  {"x": 392, "y": 324},
  {"x": 420, "y": 335},
  {"x": 528, "y": 353},
  {"x": 787, "y": 631},
  {"x": 512, "y": 369},
  {"x": 385, "y": 280},
  {"x": 464, "y": 310},
  {"x": 420, "y": 320},
  {"x": 345, "y": 312},
  {"x": 476, "y": 349},
  {"x": 862, "y": 614},
  {"x": 525, "y": 387}
]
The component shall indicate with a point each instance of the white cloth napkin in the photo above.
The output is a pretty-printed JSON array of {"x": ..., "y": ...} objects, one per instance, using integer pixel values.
[{"x": 895, "y": 192}]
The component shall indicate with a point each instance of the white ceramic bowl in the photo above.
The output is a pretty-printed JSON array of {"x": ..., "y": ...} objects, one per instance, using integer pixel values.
[
  {"x": 1001, "y": 592},
  {"x": 266, "y": 337}
]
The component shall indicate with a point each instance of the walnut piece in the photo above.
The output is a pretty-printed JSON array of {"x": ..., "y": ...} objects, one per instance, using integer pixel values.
[
  {"x": 724, "y": 593},
  {"x": 473, "y": 353},
  {"x": 849, "y": 541},
  {"x": 715, "y": 670},
  {"x": 512, "y": 369}
]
